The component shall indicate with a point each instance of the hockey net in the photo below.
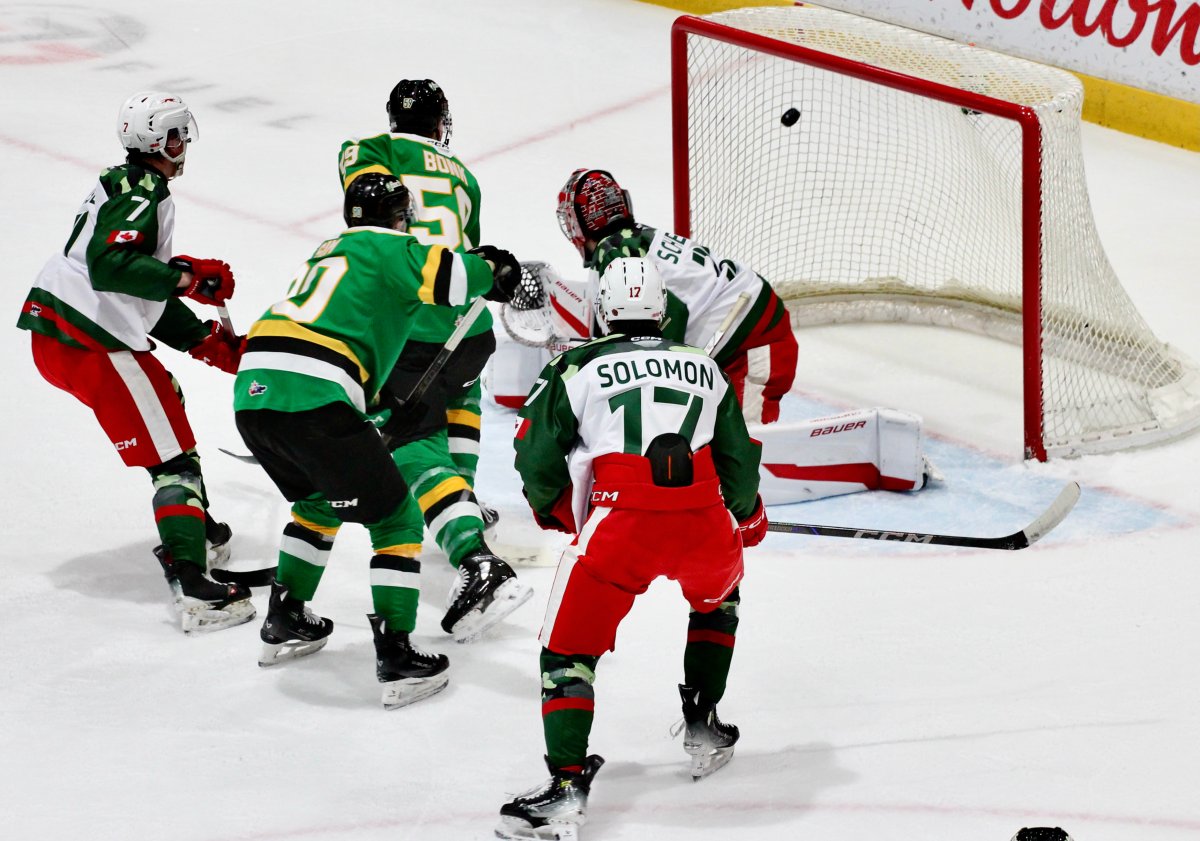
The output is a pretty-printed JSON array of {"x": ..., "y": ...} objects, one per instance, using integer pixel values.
[{"x": 875, "y": 173}]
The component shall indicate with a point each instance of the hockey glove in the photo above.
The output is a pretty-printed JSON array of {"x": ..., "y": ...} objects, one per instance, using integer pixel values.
[
  {"x": 561, "y": 516},
  {"x": 212, "y": 281},
  {"x": 220, "y": 348},
  {"x": 403, "y": 423},
  {"x": 506, "y": 272},
  {"x": 754, "y": 528}
]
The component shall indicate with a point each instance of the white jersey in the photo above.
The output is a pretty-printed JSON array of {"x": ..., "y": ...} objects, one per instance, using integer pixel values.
[
  {"x": 706, "y": 284},
  {"x": 65, "y": 276}
]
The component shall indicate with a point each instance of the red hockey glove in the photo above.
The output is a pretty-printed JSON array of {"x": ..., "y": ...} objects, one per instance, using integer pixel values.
[
  {"x": 212, "y": 281},
  {"x": 220, "y": 348},
  {"x": 754, "y": 528},
  {"x": 561, "y": 516}
]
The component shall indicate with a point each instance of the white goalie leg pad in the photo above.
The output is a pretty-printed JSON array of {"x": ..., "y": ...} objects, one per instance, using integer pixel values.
[
  {"x": 512, "y": 370},
  {"x": 401, "y": 693},
  {"x": 272, "y": 654},
  {"x": 515, "y": 829},
  {"x": 867, "y": 449},
  {"x": 199, "y": 617}
]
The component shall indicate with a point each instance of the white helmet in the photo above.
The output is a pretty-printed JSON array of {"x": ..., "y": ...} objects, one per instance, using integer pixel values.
[
  {"x": 146, "y": 119},
  {"x": 631, "y": 289}
]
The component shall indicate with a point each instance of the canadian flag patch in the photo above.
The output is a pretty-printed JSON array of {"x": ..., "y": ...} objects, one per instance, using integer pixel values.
[{"x": 125, "y": 237}]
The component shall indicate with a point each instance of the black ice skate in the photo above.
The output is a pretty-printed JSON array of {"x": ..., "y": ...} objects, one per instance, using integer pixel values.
[
  {"x": 199, "y": 603},
  {"x": 216, "y": 541},
  {"x": 485, "y": 591},
  {"x": 290, "y": 630},
  {"x": 408, "y": 675},
  {"x": 706, "y": 738},
  {"x": 491, "y": 517},
  {"x": 553, "y": 811}
]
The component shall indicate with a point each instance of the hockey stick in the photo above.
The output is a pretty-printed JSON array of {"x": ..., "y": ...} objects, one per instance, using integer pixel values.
[
  {"x": 247, "y": 578},
  {"x": 1047, "y": 520},
  {"x": 226, "y": 321},
  {"x": 427, "y": 378},
  {"x": 443, "y": 355},
  {"x": 716, "y": 337}
]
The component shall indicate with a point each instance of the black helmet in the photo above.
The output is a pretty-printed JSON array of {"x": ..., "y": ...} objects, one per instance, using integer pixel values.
[
  {"x": 419, "y": 106},
  {"x": 378, "y": 200}
]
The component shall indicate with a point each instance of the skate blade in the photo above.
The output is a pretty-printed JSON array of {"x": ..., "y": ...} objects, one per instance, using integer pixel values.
[
  {"x": 704, "y": 764},
  {"x": 199, "y": 617},
  {"x": 508, "y": 597},
  {"x": 516, "y": 829},
  {"x": 401, "y": 693},
  {"x": 274, "y": 653}
]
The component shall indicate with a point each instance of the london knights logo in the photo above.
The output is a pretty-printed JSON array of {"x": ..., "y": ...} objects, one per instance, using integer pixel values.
[{"x": 256, "y": 388}]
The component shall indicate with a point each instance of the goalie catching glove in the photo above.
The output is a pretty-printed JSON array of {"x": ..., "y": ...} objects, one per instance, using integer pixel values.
[
  {"x": 220, "y": 348},
  {"x": 506, "y": 272},
  {"x": 212, "y": 282},
  {"x": 754, "y": 528}
]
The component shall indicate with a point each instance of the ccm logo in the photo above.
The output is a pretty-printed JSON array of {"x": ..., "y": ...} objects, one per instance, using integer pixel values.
[
  {"x": 605, "y": 496},
  {"x": 902, "y": 536},
  {"x": 343, "y": 503},
  {"x": 842, "y": 427},
  {"x": 127, "y": 445}
]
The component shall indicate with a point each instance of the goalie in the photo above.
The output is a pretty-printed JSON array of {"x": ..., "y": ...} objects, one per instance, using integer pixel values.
[{"x": 730, "y": 311}]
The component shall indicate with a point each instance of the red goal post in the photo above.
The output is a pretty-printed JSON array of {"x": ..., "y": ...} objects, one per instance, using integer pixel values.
[{"x": 875, "y": 173}]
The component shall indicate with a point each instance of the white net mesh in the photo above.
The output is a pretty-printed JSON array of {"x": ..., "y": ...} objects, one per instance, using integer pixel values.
[{"x": 876, "y": 203}]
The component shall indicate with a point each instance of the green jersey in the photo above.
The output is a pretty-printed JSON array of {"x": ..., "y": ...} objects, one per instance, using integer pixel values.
[
  {"x": 615, "y": 395},
  {"x": 347, "y": 314},
  {"x": 445, "y": 198}
]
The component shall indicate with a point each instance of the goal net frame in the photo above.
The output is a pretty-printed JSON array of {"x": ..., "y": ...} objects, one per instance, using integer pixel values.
[{"x": 1021, "y": 321}]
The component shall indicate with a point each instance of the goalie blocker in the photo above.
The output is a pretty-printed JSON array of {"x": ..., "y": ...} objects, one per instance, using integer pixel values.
[{"x": 861, "y": 450}]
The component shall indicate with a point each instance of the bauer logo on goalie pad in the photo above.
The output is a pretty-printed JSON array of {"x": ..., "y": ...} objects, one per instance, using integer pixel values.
[{"x": 832, "y": 430}]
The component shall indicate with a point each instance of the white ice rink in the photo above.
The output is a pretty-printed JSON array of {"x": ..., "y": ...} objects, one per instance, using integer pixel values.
[{"x": 883, "y": 692}]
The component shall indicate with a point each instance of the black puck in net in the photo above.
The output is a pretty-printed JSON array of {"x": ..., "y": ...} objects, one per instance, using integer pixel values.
[{"x": 790, "y": 117}]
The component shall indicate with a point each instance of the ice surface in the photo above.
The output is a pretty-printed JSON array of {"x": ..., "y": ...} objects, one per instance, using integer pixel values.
[{"x": 883, "y": 692}]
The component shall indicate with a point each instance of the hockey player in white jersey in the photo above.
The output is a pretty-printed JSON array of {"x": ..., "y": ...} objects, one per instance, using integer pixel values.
[
  {"x": 635, "y": 444},
  {"x": 710, "y": 299}
]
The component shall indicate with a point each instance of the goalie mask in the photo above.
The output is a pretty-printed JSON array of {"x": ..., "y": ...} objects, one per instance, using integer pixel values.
[
  {"x": 631, "y": 289},
  {"x": 419, "y": 106},
  {"x": 153, "y": 122},
  {"x": 589, "y": 205},
  {"x": 377, "y": 200}
]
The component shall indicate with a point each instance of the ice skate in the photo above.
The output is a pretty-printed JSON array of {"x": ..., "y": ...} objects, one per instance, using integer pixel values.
[
  {"x": 553, "y": 811},
  {"x": 290, "y": 630},
  {"x": 931, "y": 476},
  {"x": 485, "y": 591},
  {"x": 216, "y": 542},
  {"x": 408, "y": 675},
  {"x": 199, "y": 603},
  {"x": 491, "y": 517},
  {"x": 706, "y": 738}
]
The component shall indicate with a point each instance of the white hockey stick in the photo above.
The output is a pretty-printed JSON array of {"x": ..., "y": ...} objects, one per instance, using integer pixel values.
[
  {"x": 1039, "y": 528},
  {"x": 226, "y": 321},
  {"x": 733, "y": 313}
]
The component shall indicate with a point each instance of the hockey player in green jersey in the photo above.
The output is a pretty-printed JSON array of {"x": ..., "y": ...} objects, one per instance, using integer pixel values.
[
  {"x": 439, "y": 454},
  {"x": 313, "y": 372},
  {"x": 91, "y": 313},
  {"x": 758, "y": 350},
  {"x": 637, "y": 445}
]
